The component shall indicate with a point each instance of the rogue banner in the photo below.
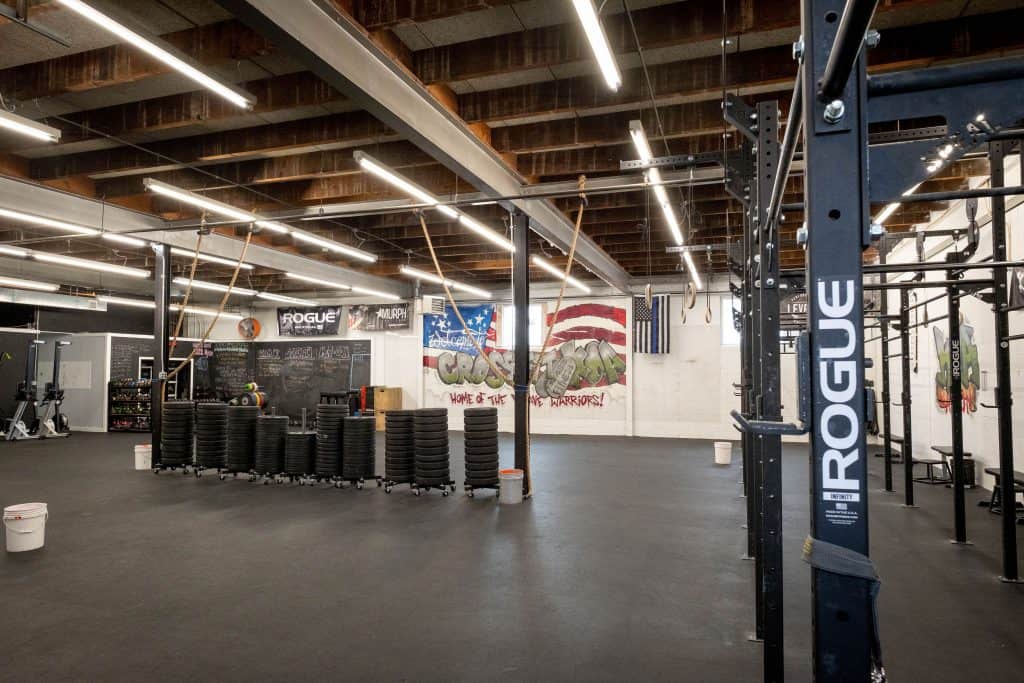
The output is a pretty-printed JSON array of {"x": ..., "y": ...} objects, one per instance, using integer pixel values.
[
  {"x": 312, "y": 321},
  {"x": 374, "y": 317}
]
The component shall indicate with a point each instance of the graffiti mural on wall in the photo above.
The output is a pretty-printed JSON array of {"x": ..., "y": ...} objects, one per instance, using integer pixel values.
[
  {"x": 970, "y": 370},
  {"x": 587, "y": 351}
]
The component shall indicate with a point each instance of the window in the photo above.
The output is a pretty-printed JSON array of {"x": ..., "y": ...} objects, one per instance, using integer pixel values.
[
  {"x": 508, "y": 325},
  {"x": 730, "y": 335}
]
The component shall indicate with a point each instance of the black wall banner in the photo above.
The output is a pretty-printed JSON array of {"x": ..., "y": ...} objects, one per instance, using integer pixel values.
[
  {"x": 374, "y": 317},
  {"x": 310, "y": 321}
]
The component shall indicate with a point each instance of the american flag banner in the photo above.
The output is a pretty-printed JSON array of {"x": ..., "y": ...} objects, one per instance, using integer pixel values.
[{"x": 651, "y": 324}]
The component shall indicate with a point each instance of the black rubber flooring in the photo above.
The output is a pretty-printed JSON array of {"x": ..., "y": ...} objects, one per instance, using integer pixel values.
[{"x": 624, "y": 567}]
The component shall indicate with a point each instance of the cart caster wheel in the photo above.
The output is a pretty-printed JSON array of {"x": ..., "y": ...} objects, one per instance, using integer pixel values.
[
  {"x": 387, "y": 489},
  {"x": 301, "y": 483},
  {"x": 337, "y": 484},
  {"x": 280, "y": 481},
  {"x": 184, "y": 472},
  {"x": 359, "y": 485},
  {"x": 417, "y": 492},
  {"x": 452, "y": 486},
  {"x": 198, "y": 474},
  {"x": 156, "y": 470},
  {"x": 470, "y": 493},
  {"x": 223, "y": 477},
  {"x": 379, "y": 483},
  {"x": 444, "y": 493}
]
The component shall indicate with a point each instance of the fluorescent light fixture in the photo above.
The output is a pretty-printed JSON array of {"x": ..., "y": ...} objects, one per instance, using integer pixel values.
[
  {"x": 331, "y": 245},
  {"x": 285, "y": 299},
  {"x": 374, "y": 292},
  {"x": 598, "y": 42},
  {"x": 890, "y": 209},
  {"x": 124, "y": 239},
  {"x": 85, "y": 264},
  {"x": 145, "y": 303},
  {"x": 177, "y": 251},
  {"x": 559, "y": 273},
  {"x": 214, "y": 287},
  {"x": 158, "y": 53},
  {"x": 46, "y": 222},
  {"x": 228, "y": 211},
  {"x": 376, "y": 168},
  {"x": 329, "y": 284},
  {"x": 18, "y": 283},
  {"x": 486, "y": 232},
  {"x": 643, "y": 147},
  {"x": 693, "y": 270},
  {"x": 946, "y": 151},
  {"x": 24, "y": 126},
  {"x": 421, "y": 275},
  {"x": 13, "y": 251},
  {"x": 124, "y": 301}
]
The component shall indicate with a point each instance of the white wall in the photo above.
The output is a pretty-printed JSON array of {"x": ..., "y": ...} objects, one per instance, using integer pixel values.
[
  {"x": 931, "y": 425},
  {"x": 83, "y": 377}
]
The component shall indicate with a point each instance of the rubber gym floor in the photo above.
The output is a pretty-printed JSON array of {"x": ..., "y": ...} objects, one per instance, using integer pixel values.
[{"x": 624, "y": 567}]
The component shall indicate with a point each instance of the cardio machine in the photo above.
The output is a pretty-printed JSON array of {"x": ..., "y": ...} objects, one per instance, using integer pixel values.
[
  {"x": 25, "y": 396},
  {"x": 57, "y": 425}
]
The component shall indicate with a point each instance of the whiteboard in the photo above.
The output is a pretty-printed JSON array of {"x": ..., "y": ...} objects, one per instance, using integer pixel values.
[{"x": 74, "y": 374}]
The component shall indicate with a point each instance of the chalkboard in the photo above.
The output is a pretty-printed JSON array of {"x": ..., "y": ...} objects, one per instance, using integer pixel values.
[
  {"x": 222, "y": 369},
  {"x": 124, "y": 356},
  {"x": 295, "y": 373}
]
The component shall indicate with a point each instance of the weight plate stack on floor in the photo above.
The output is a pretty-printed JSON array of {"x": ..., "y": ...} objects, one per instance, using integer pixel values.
[
  {"x": 358, "y": 461},
  {"x": 430, "y": 440},
  {"x": 178, "y": 422},
  {"x": 211, "y": 435},
  {"x": 330, "y": 420},
  {"x": 399, "y": 448},
  {"x": 298, "y": 453},
  {"x": 268, "y": 457},
  {"x": 241, "y": 437},
  {"x": 481, "y": 439}
]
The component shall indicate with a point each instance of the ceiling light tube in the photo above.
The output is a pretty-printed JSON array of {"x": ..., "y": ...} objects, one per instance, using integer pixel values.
[
  {"x": 693, "y": 270},
  {"x": 124, "y": 239},
  {"x": 213, "y": 286},
  {"x": 374, "y": 292},
  {"x": 47, "y": 222},
  {"x": 421, "y": 275},
  {"x": 598, "y": 42},
  {"x": 124, "y": 301},
  {"x": 143, "y": 303},
  {"x": 417, "y": 192},
  {"x": 28, "y": 127},
  {"x": 330, "y": 284},
  {"x": 890, "y": 209},
  {"x": 18, "y": 283},
  {"x": 331, "y": 245},
  {"x": 13, "y": 251},
  {"x": 559, "y": 273},
  {"x": 285, "y": 299},
  {"x": 639, "y": 135},
  {"x": 71, "y": 262},
  {"x": 177, "y": 251},
  {"x": 122, "y": 32},
  {"x": 207, "y": 312}
]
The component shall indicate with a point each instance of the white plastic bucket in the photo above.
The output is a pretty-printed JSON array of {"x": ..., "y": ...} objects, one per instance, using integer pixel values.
[
  {"x": 511, "y": 489},
  {"x": 26, "y": 526},
  {"x": 144, "y": 456},
  {"x": 723, "y": 452}
]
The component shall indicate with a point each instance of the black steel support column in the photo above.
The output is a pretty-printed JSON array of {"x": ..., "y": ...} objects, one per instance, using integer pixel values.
[
  {"x": 521, "y": 367},
  {"x": 836, "y": 197},
  {"x": 1004, "y": 393},
  {"x": 161, "y": 334},
  {"x": 755, "y": 509},
  {"x": 905, "y": 398},
  {"x": 883, "y": 324},
  {"x": 769, "y": 403},
  {"x": 747, "y": 389},
  {"x": 956, "y": 413}
]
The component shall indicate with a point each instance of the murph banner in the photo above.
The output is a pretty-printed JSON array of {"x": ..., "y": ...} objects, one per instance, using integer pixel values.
[{"x": 374, "y": 317}]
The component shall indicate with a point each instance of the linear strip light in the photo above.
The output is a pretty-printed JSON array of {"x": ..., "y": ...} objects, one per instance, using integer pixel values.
[
  {"x": 13, "y": 251},
  {"x": 333, "y": 284},
  {"x": 228, "y": 211},
  {"x": 285, "y": 299},
  {"x": 124, "y": 239},
  {"x": 145, "y": 303},
  {"x": 18, "y": 283},
  {"x": 47, "y": 222},
  {"x": 317, "y": 281},
  {"x": 416, "y": 192},
  {"x": 421, "y": 275},
  {"x": 559, "y": 273},
  {"x": 24, "y": 126},
  {"x": 153, "y": 50},
  {"x": 213, "y": 286},
  {"x": 598, "y": 42},
  {"x": 654, "y": 179},
  {"x": 85, "y": 264},
  {"x": 209, "y": 258},
  {"x": 887, "y": 212}
]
